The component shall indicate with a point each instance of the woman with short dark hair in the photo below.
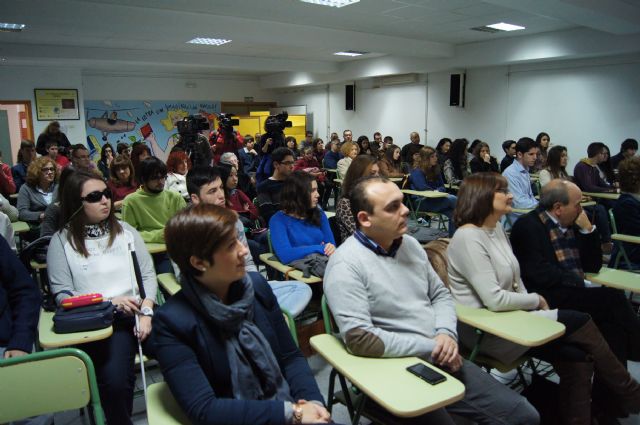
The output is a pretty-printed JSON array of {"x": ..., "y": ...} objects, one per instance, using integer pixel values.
[
  {"x": 301, "y": 227},
  {"x": 484, "y": 273},
  {"x": 222, "y": 342},
  {"x": 92, "y": 254}
]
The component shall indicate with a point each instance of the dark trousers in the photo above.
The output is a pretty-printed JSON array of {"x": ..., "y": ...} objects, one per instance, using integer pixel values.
[
  {"x": 162, "y": 263},
  {"x": 113, "y": 359},
  {"x": 559, "y": 349}
]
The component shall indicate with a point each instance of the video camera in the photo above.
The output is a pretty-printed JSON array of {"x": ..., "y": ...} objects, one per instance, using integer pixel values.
[
  {"x": 226, "y": 122},
  {"x": 192, "y": 125},
  {"x": 277, "y": 123}
]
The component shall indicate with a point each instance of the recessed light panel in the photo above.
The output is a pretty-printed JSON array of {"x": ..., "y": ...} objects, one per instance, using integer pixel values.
[
  {"x": 9, "y": 27},
  {"x": 209, "y": 41},
  {"x": 502, "y": 26},
  {"x": 350, "y": 53},
  {"x": 331, "y": 3}
]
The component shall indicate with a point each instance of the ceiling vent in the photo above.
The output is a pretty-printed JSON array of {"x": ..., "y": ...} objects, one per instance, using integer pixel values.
[
  {"x": 486, "y": 29},
  {"x": 395, "y": 80}
]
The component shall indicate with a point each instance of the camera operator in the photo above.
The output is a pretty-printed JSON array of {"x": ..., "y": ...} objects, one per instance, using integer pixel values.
[
  {"x": 273, "y": 139},
  {"x": 228, "y": 139},
  {"x": 192, "y": 142}
]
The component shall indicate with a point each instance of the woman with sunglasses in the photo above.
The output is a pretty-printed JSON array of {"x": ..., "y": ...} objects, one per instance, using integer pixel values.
[
  {"x": 484, "y": 273},
  {"x": 92, "y": 254},
  {"x": 39, "y": 191}
]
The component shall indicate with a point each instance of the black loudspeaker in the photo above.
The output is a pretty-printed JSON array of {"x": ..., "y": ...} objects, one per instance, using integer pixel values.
[
  {"x": 456, "y": 89},
  {"x": 350, "y": 97}
]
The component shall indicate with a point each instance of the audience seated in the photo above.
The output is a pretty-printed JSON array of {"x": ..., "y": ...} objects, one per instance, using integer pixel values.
[
  {"x": 364, "y": 146},
  {"x": 52, "y": 152},
  {"x": 427, "y": 176},
  {"x": 414, "y": 313},
  {"x": 349, "y": 151},
  {"x": 51, "y": 222},
  {"x": 362, "y": 166},
  {"x": 482, "y": 160},
  {"x": 347, "y": 136},
  {"x": 628, "y": 149},
  {"x": 517, "y": 174},
  {"x": 7, "y": 185},
  {"x": 248, "y": 156},
  {"x": 52, "y": 132},
  {"x": 606, "y": 170},
  {"x": 456, "y": 166},
  {"x": 123, "y": 149},
  {"x": 627, "y": 208},
  {"x": 587, "y": 174},
  {"x": 318, "y": 150},
  {"x": 39, "y": 191},
  {"x": 122, "y": 179},
  {"x": 301, "y": 228},
  {"x": 543, "y": 140},
  {"x": 236, "y": 199},
  {"x": 8, "y": 209},
  {"x": 106, "y": 158},
  {"x": 309, "y": 164},
  {"x": 332, "y": 156},
  {"x": 81, "y": 161},
  {"x": 26, "y": 154},
  {"x": 6, "y": 231},
  {"x": 178, "y": 164},
  {"x": 92, "y": 254},
  {"x": 308, "y": 140},
  {"x": 410, "y": 149},
  {"x": 442, "y": 149},
  {"x": 509, "y": 148},
  {"x": 242, "y": 365},
  {"x": 391, "y": 165},
  {"x": 292, "y": 145},
  {"x": 139, "y": 152},
  {"x": 269, "y": 189},
  {"x": 484, "y": 273},
  {"x": 555, "y": 245}
]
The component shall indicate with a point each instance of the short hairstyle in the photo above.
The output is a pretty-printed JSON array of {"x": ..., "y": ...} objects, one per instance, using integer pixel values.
[
  {"x": 248, "y": 139},
  {"x": 200, "y": 175},
  {"x": 377, "y": 133},
  {"x": 226, "y": 157},
  {"x": 151, "y": 168},
  {"x": 594, "y": 149},
  {"x": 121, "y": 161},
  {"x": 72, "y": 212},
  {"x": 78, "y": 147},
  {"x": 295, "y": 197},
  {"x": 387, "y": 139},
  {"x": 553, "y": 193},
  {"x": 279, "y": 154},
  {"x": 475, "y": 197},
  {"x": 307, "y": 149},
  {"x": 629, "y": 144},
  {"x": 507, "y": 144},
  {"x": 292, "y": 139},
  {"x": 34, "y": 172},
  {"x": 308, "y": 133},
  {"x": 175, "y": 159},
  {"x": 629, "y": 175},
  {"x": 121, "y": 147},
  {"x": 345, "y": 132},
  {"x": 359, "y": 168},
  {"x": 346, "y": 148},
  {"x": 51, "y": 142},
  {"x": 525, "y": 144},
  {"x": 199, "y": 230},
  {"x": 358, "y": 198}
]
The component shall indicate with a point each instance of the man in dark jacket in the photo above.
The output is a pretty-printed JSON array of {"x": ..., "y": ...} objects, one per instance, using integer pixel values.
[
  {"x": 628, "y": 149},
  {"x": 555, "y": 245},
  {"x": 19, "y": 305}
]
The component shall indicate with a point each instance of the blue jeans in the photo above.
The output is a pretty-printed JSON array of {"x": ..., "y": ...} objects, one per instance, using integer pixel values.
[
  {"x": 292, "y": 295},
  {"x": 441, "y": 205}
]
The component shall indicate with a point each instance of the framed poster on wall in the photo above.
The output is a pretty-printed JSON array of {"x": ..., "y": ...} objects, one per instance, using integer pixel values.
[{"x": 57, "y": 104}]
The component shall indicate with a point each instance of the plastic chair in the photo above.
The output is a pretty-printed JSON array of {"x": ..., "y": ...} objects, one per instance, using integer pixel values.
[
  {"x": 48, "y": 382},
  {"x": 619, "y": 239},
  {"x": 271, "y": 260}
]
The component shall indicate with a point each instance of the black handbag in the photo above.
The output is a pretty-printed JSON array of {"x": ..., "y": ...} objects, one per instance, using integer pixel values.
[{"x": 82, "y": 319}]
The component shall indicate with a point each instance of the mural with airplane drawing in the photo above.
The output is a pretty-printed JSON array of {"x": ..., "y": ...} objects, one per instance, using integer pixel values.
[{"x": 150, "y": 122}]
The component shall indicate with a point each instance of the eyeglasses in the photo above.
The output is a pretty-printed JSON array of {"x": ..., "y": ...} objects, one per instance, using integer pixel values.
[
  {"x": 96, "y": 196},
  {"x": 48, "y": 170},
  {"x": 287, "y": 162},
  {"x": 504, "y": 190}
]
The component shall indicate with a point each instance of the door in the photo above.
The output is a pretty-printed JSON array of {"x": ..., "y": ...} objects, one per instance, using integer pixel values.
[{"x": 5, "y": 137}]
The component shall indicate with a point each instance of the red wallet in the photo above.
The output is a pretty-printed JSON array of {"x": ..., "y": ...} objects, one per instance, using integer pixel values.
[{"x": 81, "y": 301}]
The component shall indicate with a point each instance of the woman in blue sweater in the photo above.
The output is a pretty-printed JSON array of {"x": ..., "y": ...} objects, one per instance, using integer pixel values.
[
  {"x": 222, "y": 342},
  {"x": 427, "y": 176},
  {"x": 301, "y": 228}
]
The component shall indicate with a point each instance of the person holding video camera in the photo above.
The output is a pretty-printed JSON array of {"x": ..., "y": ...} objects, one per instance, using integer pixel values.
[
  {"x": 228, "y": 139},
  {"x": 192, "y": 141},
  {"x": 273, "y": 139}
]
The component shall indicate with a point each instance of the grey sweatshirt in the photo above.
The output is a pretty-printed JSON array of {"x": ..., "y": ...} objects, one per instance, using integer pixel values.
[{"x": 388, "y": 306}]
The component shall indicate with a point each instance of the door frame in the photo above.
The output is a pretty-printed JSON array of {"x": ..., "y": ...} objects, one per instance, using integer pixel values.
[{"x": 27, "y": 107}]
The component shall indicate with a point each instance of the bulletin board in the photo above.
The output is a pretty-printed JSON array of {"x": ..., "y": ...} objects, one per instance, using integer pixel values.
[{"x": 57, "y": 104}]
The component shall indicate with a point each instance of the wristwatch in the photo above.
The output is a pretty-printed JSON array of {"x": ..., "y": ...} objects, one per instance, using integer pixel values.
[
  {"x": 147, "y": 311},
  {"x": 297, "y": 413}
]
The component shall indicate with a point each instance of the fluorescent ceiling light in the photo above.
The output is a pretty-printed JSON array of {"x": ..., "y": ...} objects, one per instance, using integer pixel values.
[
  {"x": 209, "y": 41},
  {"x": 501, "y": 26},
  {"x": 350, "y": 53},
  {"x": 9, "y": 27},
  {"x": 331, "y": 3}
]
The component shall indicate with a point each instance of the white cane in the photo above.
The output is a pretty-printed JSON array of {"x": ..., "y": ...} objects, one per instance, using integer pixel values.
[{"x": 134, "y": 284}]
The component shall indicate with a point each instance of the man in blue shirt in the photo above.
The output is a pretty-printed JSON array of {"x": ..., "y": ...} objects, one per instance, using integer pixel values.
[{"x": 517, "y": 174}]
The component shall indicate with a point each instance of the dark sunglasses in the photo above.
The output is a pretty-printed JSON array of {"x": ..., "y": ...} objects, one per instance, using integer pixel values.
[{"x": 96, "y": 196}]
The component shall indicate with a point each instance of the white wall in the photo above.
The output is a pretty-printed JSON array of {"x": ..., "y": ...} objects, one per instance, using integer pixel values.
[{"x": 18, "y": 84}]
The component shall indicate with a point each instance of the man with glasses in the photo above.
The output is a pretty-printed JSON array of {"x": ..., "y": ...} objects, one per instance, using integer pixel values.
[
  {"x": 150, "y": 207},
  {"x": 269, "y": 189}
]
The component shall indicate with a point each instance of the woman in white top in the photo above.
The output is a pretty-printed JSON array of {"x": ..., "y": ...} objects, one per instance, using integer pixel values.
[
  {"x": 178, "y": 164},
  {"x": 484, "y": 273},
  {"x": 92, "y": 254}
]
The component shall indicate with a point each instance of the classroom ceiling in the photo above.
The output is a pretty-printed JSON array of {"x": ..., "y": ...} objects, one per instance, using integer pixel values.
[{"x": 277, "y": 36}]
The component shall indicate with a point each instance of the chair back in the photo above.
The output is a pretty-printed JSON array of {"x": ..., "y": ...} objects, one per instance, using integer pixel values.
[
  {"x": 612, "y": 219},
  {"x": 162, "y": 407},
  {"x": 48, "y": 382},
  {"x": 330, "y": 325},
  {"x": 291, "y": 324},
  {"x": 437, "y": 254}
]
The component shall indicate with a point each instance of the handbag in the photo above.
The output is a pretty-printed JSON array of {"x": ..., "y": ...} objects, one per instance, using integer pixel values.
[{"x": 82, "y": 319}]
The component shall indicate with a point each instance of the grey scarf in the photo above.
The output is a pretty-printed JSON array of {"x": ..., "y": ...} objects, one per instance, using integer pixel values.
[{"x": 255, "y": 373}]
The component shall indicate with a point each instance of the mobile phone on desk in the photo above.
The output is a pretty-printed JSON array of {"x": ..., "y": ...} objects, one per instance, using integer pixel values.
[{"x": 427, "y": 374}]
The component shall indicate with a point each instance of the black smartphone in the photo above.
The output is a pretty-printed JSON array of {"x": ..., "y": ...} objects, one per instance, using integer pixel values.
[{"x": 426, "y": 373}]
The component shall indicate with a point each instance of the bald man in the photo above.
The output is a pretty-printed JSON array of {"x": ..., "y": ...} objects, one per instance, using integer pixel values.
[
  {"x": 556, "y": 244},
  {"x": 406, "y": 154}
]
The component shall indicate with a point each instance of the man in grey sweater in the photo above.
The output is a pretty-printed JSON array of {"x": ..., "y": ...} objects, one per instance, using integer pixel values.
[{"x": 388, "y": 302}]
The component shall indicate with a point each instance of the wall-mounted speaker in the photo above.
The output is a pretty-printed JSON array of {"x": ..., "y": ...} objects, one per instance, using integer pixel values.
[
  {"x": 350, "y": 97},
  {"x": 457, "y": 89}
]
